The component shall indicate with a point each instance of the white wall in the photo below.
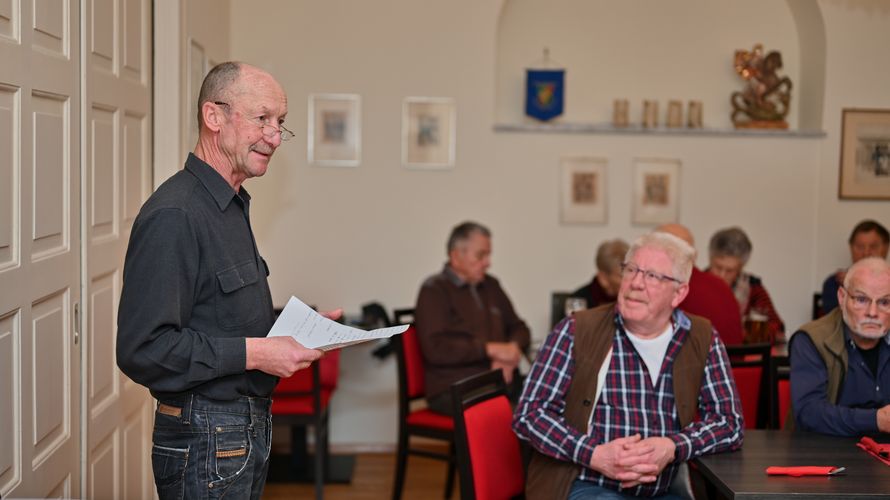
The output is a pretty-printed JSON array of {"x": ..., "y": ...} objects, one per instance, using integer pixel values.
[
  {"x": 639, "y": 49},
  {"x": 344, "y": 236},
  {"x": 858, "y": 36}
]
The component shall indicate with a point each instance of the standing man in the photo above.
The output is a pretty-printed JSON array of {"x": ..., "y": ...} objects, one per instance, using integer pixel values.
[
  {"x": 868, "y": 239},
  {"x": 465, "y": 322},
  {"x": 195, "y": 306},
  {"x": 840, "y": 363},
  {"x": 621, "y": 395}
]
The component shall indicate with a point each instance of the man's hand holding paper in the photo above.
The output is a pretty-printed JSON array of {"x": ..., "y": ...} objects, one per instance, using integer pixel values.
[{"x": 319, "y": 331}]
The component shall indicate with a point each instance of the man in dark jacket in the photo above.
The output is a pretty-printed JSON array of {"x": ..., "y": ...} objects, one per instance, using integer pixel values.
[
  {"x": 465, "y": 322},
  {"x": 840, "y": 363}
]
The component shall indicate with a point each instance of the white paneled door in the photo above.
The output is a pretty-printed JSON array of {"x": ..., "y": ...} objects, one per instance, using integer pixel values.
[
  {"x": 75, "y": 166},
  {"x": 40, "y": 249},
  {"x": 117, "y": 173}
]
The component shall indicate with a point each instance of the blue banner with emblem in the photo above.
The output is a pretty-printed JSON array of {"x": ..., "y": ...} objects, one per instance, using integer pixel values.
[{"x": 544, "y": 90}]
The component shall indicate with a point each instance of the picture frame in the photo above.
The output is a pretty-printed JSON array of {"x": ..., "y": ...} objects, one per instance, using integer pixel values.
[
  {"x": 656, "y": 193},
  {"x": 583, "y": 190},
  {"x": 865, "y": 154},
  {"x": 428, "y": 132},
  {"x": 335, "y": 130}
]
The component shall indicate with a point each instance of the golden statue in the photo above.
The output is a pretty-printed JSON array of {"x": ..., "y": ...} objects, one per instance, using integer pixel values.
[{"x": 764, "y": 102}]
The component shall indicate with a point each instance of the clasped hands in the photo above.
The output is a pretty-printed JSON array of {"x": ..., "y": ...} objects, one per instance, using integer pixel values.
[
  {"x": 504, "y": 356},
  {"x": 633, "y": 460}
]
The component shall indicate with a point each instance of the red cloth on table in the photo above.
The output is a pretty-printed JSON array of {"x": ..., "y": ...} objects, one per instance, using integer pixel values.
[{"x": 880, "y": 451}]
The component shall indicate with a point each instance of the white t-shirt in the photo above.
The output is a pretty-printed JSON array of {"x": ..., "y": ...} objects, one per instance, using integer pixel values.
[{"x": 652, "y": 350}]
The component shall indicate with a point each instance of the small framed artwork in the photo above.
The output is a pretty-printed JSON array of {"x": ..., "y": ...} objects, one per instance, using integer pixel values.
[
  {"x": 335, "y": 130},
  {"x": 582, "y": 190},
  {"x": 865, "y": 155},
  {"x": 656, "y": 191},
  {"x": 428, "y": 132}
]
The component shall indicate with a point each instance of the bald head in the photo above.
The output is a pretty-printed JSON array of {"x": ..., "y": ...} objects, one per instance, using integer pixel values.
[
  {"x": 678, "y": 230},
  {"x": 869, "y": 268},
  {"x": 229, "y": 80}
]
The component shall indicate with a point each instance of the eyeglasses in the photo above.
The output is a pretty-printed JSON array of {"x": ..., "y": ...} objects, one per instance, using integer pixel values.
[
  {"x": 629, "y": 271},
  {"x": 268, "y": 129},
  {"x": 861, "y": 301}
]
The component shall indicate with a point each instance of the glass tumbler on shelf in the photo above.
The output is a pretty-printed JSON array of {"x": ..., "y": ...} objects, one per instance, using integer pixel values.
[{"x": 575, "y": 304}]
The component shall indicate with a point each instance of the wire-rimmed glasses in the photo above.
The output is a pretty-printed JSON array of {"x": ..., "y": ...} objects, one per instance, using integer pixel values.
[{"x": 267, "y": 128}]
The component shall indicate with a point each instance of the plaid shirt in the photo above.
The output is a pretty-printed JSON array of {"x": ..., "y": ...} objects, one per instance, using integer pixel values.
[{"x": 628, "y": 404}]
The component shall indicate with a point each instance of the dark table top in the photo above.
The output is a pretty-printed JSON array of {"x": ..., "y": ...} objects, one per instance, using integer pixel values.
[{"x": 741, "y": 474}]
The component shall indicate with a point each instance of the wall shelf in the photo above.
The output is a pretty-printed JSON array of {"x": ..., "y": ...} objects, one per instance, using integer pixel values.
[{"x": 605, "y": 128}]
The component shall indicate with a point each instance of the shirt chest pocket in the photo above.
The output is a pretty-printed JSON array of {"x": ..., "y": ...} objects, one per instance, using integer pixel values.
[{"x": 238, "y": 301}]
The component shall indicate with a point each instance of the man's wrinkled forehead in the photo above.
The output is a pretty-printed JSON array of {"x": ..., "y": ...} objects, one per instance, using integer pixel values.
[
  {"x": 868, "y": 280},
  {"x": 256, "y": 85},
  {"x": 652, "y": 251}
]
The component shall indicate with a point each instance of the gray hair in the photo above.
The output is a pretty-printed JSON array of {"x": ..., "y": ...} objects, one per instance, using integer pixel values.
[
  {"x": 875, "y": 265},
  {"x": 217, "y": 86},
  {"x": 463, "y": 231},
  {"x": 682, "y": 254},
  {"x": 610, "y": 255},
  {"x": 731, "y": 242}
]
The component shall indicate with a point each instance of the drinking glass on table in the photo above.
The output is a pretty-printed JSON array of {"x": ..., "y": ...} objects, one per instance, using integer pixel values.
[
  {"x": 756, "y": 327},
  {"x": 575, "y": 304}
]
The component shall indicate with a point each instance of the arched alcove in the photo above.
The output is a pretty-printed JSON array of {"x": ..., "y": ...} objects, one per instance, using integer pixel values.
[{"x": 673, "y": 49}]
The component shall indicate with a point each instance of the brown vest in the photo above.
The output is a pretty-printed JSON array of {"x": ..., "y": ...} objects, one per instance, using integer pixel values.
[
  {"x": 549, "y": 478},
  {"x": 827, "y": 334}
]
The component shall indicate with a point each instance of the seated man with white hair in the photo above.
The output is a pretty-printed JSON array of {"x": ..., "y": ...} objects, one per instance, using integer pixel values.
[
  {"x": 840, "y": 363},
  {"x": 622, "y": 395}
]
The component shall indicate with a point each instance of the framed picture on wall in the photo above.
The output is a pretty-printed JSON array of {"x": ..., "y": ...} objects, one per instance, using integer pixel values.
[
  {"x": 428, "y": 132},
  {"x": 335, "y": 130},
  {"x": 656, "y": 197},
  {"x": 582, "y": 190},
  {"x": 865, "y": 154}
]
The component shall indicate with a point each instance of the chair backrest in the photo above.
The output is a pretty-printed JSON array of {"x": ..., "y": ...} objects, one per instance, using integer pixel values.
[
  {"x": 817, "y": 305},
  {"x": 326, "y": 369},
  {"x": 402, "y": 316},
  {"x": 558, "y": 307},
  {"x": 410, "y": 365},
  {"x": 781, "y": 397},
  {"x": 488, "y": 454},
  {"x": 750, "y": 368}
]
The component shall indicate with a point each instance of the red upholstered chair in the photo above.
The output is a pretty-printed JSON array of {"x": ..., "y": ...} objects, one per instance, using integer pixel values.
[
  {"x": 781, "y": 397},
  {"x": 420, "y": 422},
  {"x": 298, "y": 401},
  {"x": 751, "y": 370},
  {"x": 488, "y": 454}
]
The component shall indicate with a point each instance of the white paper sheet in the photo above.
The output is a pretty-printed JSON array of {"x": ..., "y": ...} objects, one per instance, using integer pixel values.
[{"x": 314, "y": 331}]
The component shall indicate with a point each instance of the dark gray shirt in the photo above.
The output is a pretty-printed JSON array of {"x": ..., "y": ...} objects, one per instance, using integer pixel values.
[{"x": 194, "y": 287}]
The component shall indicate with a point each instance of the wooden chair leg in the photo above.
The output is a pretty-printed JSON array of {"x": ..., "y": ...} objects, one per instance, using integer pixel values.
[
  {"x": 319, "y": 462},
  {"x": 326, "y": 443},
  {"x": 452, "y": 471},
  {"x": 401, "y": 463},
  {"x": 299, "y": 455}
]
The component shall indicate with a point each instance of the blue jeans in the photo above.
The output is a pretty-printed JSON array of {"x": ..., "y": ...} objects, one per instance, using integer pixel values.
[
  {"x": 209, "y": 449},
  {"x": 584, "y": 490}
]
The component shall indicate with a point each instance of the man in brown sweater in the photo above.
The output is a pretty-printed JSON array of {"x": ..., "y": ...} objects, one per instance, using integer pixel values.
[{"x": 465, "y": 322}]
